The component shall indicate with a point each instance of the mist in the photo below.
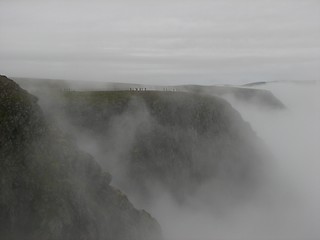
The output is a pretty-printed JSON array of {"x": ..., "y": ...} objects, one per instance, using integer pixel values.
[
  {"x": 287, "y": 206},
  {"x": 206, "y": 160}
]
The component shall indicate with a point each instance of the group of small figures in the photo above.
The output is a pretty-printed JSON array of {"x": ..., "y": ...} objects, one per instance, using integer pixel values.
[
  {"x": 138, "y": 89},
  {"x": 145, "y": 89},
  {"x": 169, "y": 89}
]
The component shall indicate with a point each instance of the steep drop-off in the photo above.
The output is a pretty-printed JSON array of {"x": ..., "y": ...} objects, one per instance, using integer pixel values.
[
  {"x": 172, "y": 141},
  {"x": 257, "y": 97},
  {"x": 51, "y": 190}
]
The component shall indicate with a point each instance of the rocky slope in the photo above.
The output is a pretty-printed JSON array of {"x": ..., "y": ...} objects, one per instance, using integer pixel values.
[
  {"x": 172, "y": 141},
  {"x": 257, "y": 97},
  {"x": 51, "y": 190}
]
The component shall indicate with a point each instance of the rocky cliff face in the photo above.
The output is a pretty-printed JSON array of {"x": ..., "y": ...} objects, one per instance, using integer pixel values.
[
  {"x": 256, "y": 97},
  {"x": 176, "y": 141},
  {"x": 49, "y": 189}
]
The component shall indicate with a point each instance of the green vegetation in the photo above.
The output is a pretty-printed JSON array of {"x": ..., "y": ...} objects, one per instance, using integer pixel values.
[
  {"x": 51, "y": 190},
  {"x": 259, "y": 97},
  {"x": 179, "y": 140}
]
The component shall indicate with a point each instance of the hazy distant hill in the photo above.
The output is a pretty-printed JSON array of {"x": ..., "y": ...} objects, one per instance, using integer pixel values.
[
  {"x": 301, "y": 82},
  {"x": 259, "y": 97}
]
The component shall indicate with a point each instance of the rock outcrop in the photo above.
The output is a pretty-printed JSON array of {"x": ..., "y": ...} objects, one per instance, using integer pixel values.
[
  {"x": 51, "y": 190},
  {"x": 258, "y": 97},
  {"x": 176, "y": 141}
]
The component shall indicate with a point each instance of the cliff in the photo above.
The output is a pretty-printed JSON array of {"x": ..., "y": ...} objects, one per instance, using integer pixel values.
[
  {"x": 49, "y": 189},
  {"x": 258, "y": 97},
  {"x": 176, "y": 141}
]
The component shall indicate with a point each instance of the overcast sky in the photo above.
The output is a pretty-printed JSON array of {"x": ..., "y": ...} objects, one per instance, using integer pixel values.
[{"x": 164, "y": 41}]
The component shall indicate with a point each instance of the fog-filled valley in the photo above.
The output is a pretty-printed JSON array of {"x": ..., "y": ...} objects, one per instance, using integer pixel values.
[
  {"x": 287, "y": 206},
  {"x": 159, "y": 120},
  {"x": 287, "y": 203},
  {"x": 293, "y": 138},
  {"x": 218, "y": 162}
]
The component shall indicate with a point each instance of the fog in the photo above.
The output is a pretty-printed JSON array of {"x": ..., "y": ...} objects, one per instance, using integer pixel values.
[
  {"x": 175, "y": 42},
  {"x": 287, "y": 207}
]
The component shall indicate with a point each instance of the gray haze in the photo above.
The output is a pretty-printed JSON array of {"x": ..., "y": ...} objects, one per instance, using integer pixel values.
[
  {"x": 168, "y": 42},
  {"x": 286, "y": 207}
]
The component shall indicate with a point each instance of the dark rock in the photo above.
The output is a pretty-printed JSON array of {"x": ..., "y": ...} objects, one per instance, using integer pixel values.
[
  {"x": 258, "y": 97},
  {"x": 180, "y": 141},
  {"x": 49, "y": 189}
]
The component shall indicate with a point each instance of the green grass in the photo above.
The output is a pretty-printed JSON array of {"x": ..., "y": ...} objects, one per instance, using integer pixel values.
[
  {"x": 119, "y": 98},
  {"x": 113, "y": 96}
]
